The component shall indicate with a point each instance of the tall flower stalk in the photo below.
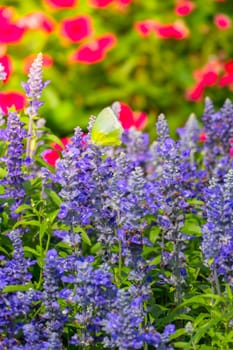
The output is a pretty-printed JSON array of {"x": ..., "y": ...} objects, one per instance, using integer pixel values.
[{"x": 33, "y": 89}]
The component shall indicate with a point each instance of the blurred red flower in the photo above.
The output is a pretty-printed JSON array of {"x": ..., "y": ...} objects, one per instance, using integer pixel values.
[
  {"x": 77, "y": 28},
  {"x": 7, "y": 64},
  {"x": 105, "y": 3},
  {"x": 202, "y": 137},
  {"x": 145, "y": 28},
  {"x": 60, "y": 4},
  {"x": 228, "y": 77},
  {"x": 10, "y": 32},
  {"x": 206, "y": 76},
  {"x": 129, "y": 119},
  {"x": 51, "y": 156},
  {"x": 37, "y": 21},
  {"x": 176, "y": 30},
  {"x": 12, "y": 98},
  {"x": 27, "y": 62},
  {"x": 95, "y": 50},
  {"x": 222, "y": 21},
  {"x": 100, "y": 3},
  {"x": 196, "y": 92},
  {"x": 184, "y": 7}
]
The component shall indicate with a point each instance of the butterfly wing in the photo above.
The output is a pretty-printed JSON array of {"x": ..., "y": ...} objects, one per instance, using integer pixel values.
[{"x": 107, "y": 129}]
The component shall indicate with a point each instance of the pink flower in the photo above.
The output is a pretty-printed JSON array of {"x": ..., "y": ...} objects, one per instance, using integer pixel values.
[
  {"x": 202, "y": 137},
  {"x": 27, "y": 62},
  {"x": 7, "y": 64},
  {"x": 145, "y": 28},
  {"x": 12, "y": 98},
  {"x": 129, "y": 119},
  {"x": 77, "y": 28},
  {"x": 196, "y": 92},
  {"x": 222, "y": 21},
  {"x": 37, "y": 20},
  {"x": 61, "y": 4},
  {"x": 176, "y": 30},
  {"x": 10, "y": 32},
  {"x": 184, "y": 8},
  {"x": 52, "y": 156},
  {"x": 94, "y": 51},
  {"x": 228, "y": 77},
  {"x": 206, "y": 76}
]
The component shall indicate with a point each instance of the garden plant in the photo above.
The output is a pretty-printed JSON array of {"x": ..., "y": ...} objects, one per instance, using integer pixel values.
[{"x": 120, "y": 244}]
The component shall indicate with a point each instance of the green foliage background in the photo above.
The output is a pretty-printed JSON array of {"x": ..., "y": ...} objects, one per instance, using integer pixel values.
[{"x": 150, "y": 74}]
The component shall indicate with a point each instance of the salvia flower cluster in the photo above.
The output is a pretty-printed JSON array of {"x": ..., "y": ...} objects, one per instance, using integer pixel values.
[{"x": 91, "y": 247}]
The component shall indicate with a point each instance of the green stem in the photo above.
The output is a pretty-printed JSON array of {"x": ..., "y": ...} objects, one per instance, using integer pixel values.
[
  {"x": 29, "y": 139},
  {"x": 217, "y": 282}
]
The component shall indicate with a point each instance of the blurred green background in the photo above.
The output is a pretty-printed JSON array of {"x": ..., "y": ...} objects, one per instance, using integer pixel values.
[{"x": 153, "y": 73}]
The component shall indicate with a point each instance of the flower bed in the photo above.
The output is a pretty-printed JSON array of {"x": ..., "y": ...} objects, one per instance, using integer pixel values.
[{"x": 126, "y": 247}]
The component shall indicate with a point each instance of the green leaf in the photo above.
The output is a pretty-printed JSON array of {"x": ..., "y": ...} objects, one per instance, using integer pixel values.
[
  {"x": 31, "y": 250},
  {"x": 17, "y": 288},
  {"x": 23, "y": 207},
  {"x": 54, "y": 196},
  {"x": 85, "y": 237}
]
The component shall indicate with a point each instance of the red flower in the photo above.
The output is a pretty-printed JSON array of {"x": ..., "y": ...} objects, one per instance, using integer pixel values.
[
  {"x": 7, "y": 64},
  {"x": 10, "y": 32},
  {"x": 105, "y": 3},
  {"x": 60, "y": 4},
  {"x": 228, "y": 77},
  {"x": 100, "y": 3},
  {"x": 129, "y": 119},
  {"x": 184, "y": 8},
  {"x": 222, "y": 21},
  {"x": 95, "y": 50},
  {"x": 77, "y": 28},
  {"x": 27, "y": 62},
  {"x": 51, "y": 156},
  {"x": 38, "y": 20},
  {"x": 202, "y": 137},
  {"x": 12, "y": 98},
  {"x": 176, "y": 30},
  {"x": 195, "y": 93},
  {"x": 145, "y": 28},
  {"x": 206, "y": 76}
]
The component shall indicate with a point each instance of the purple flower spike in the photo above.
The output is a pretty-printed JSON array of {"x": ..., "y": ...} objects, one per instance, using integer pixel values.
[{"x": 35, "y": 85}]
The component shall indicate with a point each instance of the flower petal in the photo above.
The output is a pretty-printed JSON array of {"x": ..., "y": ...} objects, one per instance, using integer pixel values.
[
  {"x": 12, "y": 98},
  {"x": 77, "y": 28}
]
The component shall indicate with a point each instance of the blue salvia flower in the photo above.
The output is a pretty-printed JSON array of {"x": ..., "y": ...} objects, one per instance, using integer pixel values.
[
  {"x": 15, "y": 306},
  {"x": 90, "y": 294},
  {"x": 15, "y": 135},
  {"x": 54, "y": 318},
  {"x": 218, "y": 127},
  {"x": 83, "y": 174},
  {"x": 136, "y": 146},
  {"x": 217, "y": 244},
  {"x": 33, "y": 89},
  {"x": 35, "y": 86},
  {"x": 122, "y": 324},
  {"x": 189, "y": 135},
  {"x": 172, "y": 197}
]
